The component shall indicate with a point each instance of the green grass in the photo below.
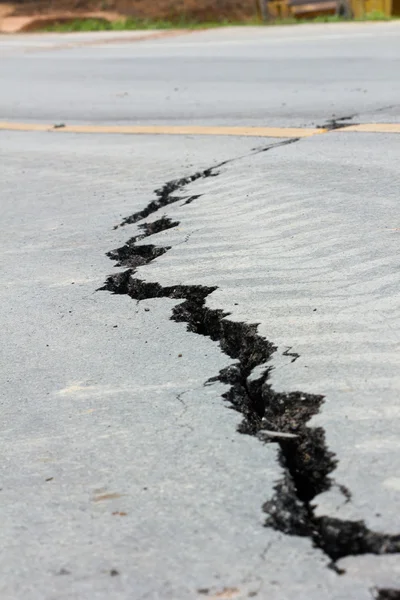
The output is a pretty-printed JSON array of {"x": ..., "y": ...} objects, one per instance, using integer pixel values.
[
  {"x": 376, "y": 15},
  {"x": 373, "y": 16},
  {"x": 130, "y": 24}
]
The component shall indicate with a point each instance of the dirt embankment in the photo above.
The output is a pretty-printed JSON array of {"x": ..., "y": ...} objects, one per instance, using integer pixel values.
[{"x": 173, "y": 10}]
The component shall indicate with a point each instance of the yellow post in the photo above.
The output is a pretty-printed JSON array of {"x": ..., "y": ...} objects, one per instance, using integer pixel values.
[{"x": 360, "y": 8}]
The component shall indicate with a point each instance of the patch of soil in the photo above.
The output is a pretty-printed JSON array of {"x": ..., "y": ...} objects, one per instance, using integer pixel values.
[{"x": 173, "y": 10}]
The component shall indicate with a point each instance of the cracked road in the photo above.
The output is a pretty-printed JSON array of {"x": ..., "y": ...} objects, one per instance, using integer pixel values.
[{"x": 255, "y": 272}]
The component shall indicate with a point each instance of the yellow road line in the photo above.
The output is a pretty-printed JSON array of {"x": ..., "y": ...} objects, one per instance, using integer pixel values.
[
  {"x": 373, "y": 128},
  {"x": 277, "y": 132},
  {"x": 24, "y": 126}
]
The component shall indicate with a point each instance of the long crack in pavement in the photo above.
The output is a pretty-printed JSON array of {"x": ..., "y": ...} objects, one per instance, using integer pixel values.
[
  {"x": 272, "y": 417},
  {"x": 165, "y": 195}
]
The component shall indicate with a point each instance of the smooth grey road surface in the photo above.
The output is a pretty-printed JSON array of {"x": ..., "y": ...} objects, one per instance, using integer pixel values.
[
  {"x": 123, "y": 475},
  {"x": 300, "y": 75}
]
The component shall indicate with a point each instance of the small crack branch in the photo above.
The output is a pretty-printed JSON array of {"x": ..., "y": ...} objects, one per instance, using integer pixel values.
[
  {"x": 338, "y": 123},
  {"x": 294, "y": 355}
]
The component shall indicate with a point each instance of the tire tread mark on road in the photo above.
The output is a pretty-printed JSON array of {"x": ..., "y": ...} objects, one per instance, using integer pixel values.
[{"x": 303, "y": 454}]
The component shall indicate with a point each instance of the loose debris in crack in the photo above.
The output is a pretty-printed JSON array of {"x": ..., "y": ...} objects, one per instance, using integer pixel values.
[{"x": 270, "y": 416}]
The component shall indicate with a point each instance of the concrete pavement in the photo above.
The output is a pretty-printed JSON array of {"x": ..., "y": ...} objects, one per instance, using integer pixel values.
[
  {"x": 282, "y": 76},
  {"x": 123, "y": 473}
]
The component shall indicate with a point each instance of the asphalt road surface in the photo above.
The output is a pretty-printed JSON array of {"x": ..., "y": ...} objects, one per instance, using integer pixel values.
[{"x": 222, "y": 420}]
